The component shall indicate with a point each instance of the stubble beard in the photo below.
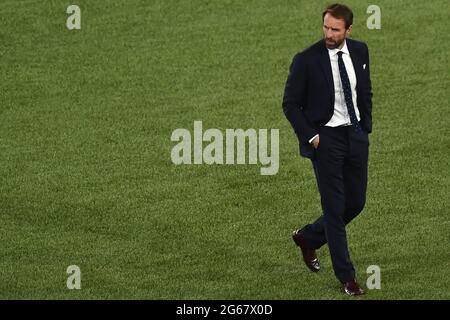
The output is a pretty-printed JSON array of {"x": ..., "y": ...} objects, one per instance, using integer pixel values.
[{"x": 334, "y": 44}]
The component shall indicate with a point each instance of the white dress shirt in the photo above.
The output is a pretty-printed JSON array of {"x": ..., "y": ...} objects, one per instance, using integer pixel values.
[{"x": 340, "y": 116}]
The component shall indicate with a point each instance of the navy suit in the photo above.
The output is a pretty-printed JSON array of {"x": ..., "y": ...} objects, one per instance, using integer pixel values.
[
  {"x": 308, "y": 100},
  {"x": 341, "y": 159}
]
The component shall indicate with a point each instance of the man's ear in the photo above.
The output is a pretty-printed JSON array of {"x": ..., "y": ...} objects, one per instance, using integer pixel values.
[{"x": 347, "y": 32}]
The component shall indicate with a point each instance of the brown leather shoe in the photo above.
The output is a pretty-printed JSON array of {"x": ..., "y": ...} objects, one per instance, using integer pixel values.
[
  {"x": 309, "y": 255},
  {"x": 352, "y": 288}
]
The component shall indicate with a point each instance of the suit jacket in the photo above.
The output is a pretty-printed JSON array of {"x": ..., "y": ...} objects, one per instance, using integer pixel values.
[{"x": 308, "y": 100}]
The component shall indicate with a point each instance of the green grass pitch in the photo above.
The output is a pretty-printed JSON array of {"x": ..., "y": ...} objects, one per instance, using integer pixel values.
[{"x": 86, "y": 176}]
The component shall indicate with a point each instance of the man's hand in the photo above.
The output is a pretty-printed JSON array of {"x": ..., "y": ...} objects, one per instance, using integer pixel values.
[{"x": 315, "y": 142}]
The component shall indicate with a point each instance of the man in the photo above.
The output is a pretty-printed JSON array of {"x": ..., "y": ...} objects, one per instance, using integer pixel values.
[{"x": 328, "y": 101}]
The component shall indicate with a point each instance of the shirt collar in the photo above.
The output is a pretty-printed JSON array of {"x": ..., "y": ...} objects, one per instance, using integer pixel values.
[{"x": 344, "y": 49}]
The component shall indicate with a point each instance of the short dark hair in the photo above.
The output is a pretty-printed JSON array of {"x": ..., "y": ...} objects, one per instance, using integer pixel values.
[{"x": 340, "y": 11}]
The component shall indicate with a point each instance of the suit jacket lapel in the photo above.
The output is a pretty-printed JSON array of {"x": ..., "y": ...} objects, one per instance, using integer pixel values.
[
  {"x": 355, "y": 60},
  {"x": 326, "y": 67}
]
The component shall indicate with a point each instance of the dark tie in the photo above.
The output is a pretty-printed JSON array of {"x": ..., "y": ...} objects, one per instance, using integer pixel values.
[{"x": 347, "y": 92}]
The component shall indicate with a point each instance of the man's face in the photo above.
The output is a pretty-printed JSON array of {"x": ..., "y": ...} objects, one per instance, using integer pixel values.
[{"x": 334, "y": 31}]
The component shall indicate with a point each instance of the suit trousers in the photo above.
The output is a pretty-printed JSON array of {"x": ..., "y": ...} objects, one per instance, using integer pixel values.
[{"x": 340, "y": 164}]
